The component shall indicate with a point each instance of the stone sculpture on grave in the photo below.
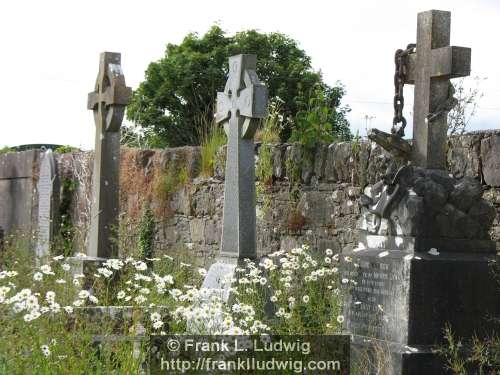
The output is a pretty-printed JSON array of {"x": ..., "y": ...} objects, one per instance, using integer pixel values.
[
  {"x": 421, "y": 230},
  {"x": 239, "y": 108},
  {"x": 48, "y": 190},
  {"x": 108, "y": 102}
]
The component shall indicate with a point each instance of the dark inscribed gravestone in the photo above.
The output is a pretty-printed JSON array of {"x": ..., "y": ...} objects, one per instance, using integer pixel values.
[
  {"x": 108, "y": 102},
  {"x": 48, "y": 190},
  {"x": 424, "y": 244},
  {"x": 239, "y": 107}
]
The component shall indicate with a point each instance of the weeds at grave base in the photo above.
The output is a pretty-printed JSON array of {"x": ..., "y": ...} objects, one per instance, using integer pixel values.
[{"x": 48, "y": 323}]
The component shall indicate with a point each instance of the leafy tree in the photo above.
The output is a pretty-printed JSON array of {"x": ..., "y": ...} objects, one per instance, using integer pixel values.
[{"x": 179, "y": 91}]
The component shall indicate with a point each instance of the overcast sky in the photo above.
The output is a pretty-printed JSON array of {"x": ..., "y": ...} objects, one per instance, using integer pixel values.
[{"x": 51, "y": 52}]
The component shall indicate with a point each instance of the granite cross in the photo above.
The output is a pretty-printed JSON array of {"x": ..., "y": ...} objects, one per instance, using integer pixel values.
[
  {"x": 239, "y": 107},
  {"x": 108, "y": 102},
  {"x": 430, "y": 69}
]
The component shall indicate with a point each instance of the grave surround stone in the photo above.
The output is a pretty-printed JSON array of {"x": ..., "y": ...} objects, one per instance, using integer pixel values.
[{"x": 424, "y": 248}]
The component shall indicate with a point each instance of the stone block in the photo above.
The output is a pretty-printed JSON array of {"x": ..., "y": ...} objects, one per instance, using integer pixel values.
[
  {"x": 490, "y": 157},
  {"x": 403, "y": 301}
]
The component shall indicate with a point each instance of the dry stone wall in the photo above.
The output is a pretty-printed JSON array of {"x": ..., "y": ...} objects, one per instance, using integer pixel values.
[{"x": 312, "y": 200}]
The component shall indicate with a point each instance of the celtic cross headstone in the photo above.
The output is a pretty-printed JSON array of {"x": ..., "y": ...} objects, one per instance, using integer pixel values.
[
  {"x": 108, "y": 102},
  {"x": 239, "y": 108}
]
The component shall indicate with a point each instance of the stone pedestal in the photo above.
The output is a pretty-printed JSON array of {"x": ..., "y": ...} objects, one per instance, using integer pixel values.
[{"x": 399, "y": 302}]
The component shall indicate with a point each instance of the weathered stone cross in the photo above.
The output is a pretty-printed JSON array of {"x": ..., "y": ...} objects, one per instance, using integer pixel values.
[
  {"x": 430, "y": 69},
  {"x": 108, "y": 102},
  {"x": 239, "y": 107}
]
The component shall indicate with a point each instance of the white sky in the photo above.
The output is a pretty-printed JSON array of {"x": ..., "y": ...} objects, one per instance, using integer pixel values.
[{"x": 51, "y": 52}]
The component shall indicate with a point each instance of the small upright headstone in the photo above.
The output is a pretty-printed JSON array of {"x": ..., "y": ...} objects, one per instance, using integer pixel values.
[
  {"x": 239, "y": 107},
  {"x": 108, "y": 102},
  {"x": 47, "y": 203}
]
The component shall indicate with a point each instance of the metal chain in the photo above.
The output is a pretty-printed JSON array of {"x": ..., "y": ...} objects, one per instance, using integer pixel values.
[{"x": 399, "y": 82}]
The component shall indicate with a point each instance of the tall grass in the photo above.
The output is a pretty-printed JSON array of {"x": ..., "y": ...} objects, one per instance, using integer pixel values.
[{"x": 213, "y": 138}]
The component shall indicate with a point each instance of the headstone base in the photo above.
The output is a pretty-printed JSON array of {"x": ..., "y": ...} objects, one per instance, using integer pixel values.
[
  {"x": 218, "y": 276},
  {"x": 407, "y": 298},
  {"x": 373, "y": 356}
]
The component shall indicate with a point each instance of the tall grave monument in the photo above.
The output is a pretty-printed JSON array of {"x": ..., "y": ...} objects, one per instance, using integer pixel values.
[
  {"x": 424, "y": 245},
  {"x": 239, "y": 107},
  {"x": 108, "y": 102}
]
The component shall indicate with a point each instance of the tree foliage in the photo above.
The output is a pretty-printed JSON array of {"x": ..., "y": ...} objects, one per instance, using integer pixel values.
[{"x": 178, "y": 94}]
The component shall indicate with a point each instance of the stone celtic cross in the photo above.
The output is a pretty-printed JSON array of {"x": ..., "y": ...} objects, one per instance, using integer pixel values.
[
  {"x": 430, "y": 69},
  {"x": 108, "y": 102},
  {"x": 239, "y": 107}
]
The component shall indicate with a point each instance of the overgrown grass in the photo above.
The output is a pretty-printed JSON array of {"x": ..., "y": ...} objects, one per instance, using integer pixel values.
[
  {"x": 49, "y": 317},
  {"x": 268, "y": 134},
  {"x": 167, "y": 182},
  {"x": 212, "y": 139}
]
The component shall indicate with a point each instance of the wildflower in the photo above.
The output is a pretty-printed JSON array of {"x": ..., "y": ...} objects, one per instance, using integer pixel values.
[
  {"x": 76, "y": 282},
  {"x": 94, "y": 300},
  {"x": 38, "y": 276},
  {"x": 121, "y": 294},
  {"x": 83, "y": 294},
  {"x": 274, "y": 298},
  {"x": 46, "y": 269},
  {"x": 202, "y": 272},
  {"x": 383, "y": 254},
  {"x": 50, "y": 296},
  {"x": 328, "y": 260},
  {"x": 68, "y": 309},
  {"x": 81, "y": 255},
  {"x": 106, "y": 272},
  {"x": 305, "y": 299},
  {"x": 329, "y": 252},
  {"x": 155, "y": 317},
  {"x": 140, "y": 266},
  {"x": 340, "y": 319},
  {"x": 45, "y": 350},
  {"x": 59, "y": 257},
  {"x": 336, "y": 257},
  {"x": 348, "y": 258},
  {"x": 263, "y": 281},
  {"x": 78, "y": 302},
  {"x": 115, "y": 264},
  {"x": 140, "y": 299},
  {"x": 55, "y": 307},
  {"x": 144, "y": 291},
  {"x": 60, "y": 281},
  {"x": 66, "y": 267},
  {"x": 157, "y": 324}
]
